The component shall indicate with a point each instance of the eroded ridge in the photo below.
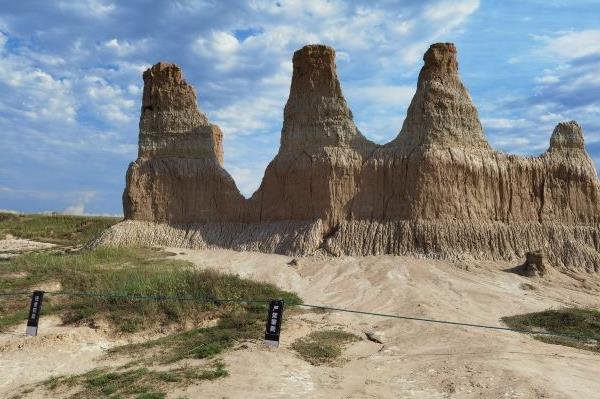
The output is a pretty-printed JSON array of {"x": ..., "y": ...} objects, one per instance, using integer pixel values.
[{"x": 437, "y": 189}]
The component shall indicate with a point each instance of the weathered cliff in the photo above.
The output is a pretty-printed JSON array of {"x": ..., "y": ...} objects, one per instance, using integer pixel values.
[
  {"x": 440, "y": 167},
  {"x": 438, "y": 189}
]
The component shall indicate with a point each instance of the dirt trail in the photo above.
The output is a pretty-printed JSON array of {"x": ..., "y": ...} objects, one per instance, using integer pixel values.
[{"x": 416, "y": 360}]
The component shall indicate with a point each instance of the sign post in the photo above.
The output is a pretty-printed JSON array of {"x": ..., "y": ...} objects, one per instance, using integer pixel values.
[
  {"x": 34, "y": 313},
  {"x": 274, "y": 318}
]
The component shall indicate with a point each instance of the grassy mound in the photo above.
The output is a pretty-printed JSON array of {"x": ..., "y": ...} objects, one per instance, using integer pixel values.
[
  {"x": 144, "y": 283},
  {"x": 149, "y": 288},
  {"x": 126, "y": 272},
  {"x": 581, "y": 327},
  {"x": 56, "y": 229}
]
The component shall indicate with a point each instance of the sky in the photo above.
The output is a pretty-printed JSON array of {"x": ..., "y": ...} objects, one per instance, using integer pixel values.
[{"x": 71, "y": 78}]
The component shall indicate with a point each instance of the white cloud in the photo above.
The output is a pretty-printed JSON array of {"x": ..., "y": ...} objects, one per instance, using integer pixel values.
[
  {"x": 547, "y": 79},
  {"x": 503, "y": 123},
  {"x": 38, "y": 94},
  {"x": 379, "y": 95},
  {"x": 450, "y": 10},
  {"x": 134, "y": 90},
  {"x": 217, "y": 43},
  {"x": 124, "y": 47},
  {"x": 92, "y": 8},
  {"x": 572, "y": 45},
  {"x": 248, "y": 115},
  {"x": 299, "y": 8},
  {"x": 109, "y": 100},
  {"x": 78, "y": 205},
  {"x": 247, "y": 180}
]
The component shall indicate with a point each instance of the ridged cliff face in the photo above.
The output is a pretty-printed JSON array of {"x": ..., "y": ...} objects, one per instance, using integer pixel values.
[{"x": 438, "y": 189}]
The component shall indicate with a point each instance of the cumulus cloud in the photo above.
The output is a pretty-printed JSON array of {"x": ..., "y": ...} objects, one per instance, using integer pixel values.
[
  {"x": 77, "y": 207},
  {"x": 109, "y": 100},
  {"x": 124, "y": 47},
  {"x": 94, "y": 8},
  {"x": 574, "y": 44},
  {"x": 503, "y": 123},
  {"x": 36, "y": 94}
]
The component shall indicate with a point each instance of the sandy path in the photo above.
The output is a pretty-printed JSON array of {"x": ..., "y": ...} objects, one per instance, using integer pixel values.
[
  {"x": 417, "y": 360},
  {"x": 57, "y": 350}
]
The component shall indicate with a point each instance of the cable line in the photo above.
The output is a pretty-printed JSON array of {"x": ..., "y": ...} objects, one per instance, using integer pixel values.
[{"x": 205, "y": 299}]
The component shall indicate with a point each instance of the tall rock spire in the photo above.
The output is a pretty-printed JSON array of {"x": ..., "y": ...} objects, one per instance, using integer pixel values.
[
  {"x": 314, "y": 175},
  {"x": 441, "y": 111},
  {"x": 567, "y": 136},
  {"x": 178, "y": 175},
  {"x": 316, "y": 114},
  {"x": 170, "y": 122}
]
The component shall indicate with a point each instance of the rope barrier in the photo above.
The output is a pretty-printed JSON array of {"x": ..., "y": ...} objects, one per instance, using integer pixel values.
[
  {"x": 14, "y": 293},
  {"x": 330, "y": 308}
]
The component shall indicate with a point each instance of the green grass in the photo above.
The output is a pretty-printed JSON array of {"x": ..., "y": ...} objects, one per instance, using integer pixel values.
[
  {"x": 124, "y": 271},
  {"x": 56, "y": 229},
  {"x": 237, "y": 324},
  {"x": 139, "y": 383},
  {"x": 140, "y": 272},
  {"x": 581, "y": 325},
  {"x": 323, "y": 347},
  {"x": 131, "y": 273}
]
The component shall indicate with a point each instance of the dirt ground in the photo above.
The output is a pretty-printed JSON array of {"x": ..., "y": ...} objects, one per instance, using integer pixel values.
[{"x": 416, "y": 359}]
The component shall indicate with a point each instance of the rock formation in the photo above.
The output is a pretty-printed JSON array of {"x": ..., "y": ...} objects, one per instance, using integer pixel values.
[
  {"x": 535, "y": 265},
  {"x": 438, "y": 189},
  {"x": 178, "y": 176},
  {"x": 315, "y": 174}
]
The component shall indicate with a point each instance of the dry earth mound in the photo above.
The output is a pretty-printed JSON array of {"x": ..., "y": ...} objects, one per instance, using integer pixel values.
[{"x": 438, "y": 189}]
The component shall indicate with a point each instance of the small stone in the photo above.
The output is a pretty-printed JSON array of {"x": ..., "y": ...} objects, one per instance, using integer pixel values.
[
  {"x": 375, "y": 336},
  {"x": 535, "y": 264}
]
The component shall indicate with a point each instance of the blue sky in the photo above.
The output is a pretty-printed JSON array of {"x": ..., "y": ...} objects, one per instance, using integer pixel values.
[{"x": 70, "y": 78}]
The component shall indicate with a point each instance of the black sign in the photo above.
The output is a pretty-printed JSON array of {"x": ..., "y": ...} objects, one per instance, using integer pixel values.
[
  {"x": 34, "y": 313},
  {"x": 274, "y": 318}
]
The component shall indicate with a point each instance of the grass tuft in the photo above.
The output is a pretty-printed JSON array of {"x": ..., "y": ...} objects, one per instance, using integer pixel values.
[
  {"x": 323, "y": 347},
  {"x": 139, "y": 383},
  {"x": 581, "y": 325}
]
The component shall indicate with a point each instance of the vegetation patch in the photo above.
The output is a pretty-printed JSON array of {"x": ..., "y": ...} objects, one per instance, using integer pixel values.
[
  {"x": 578, "y": 328},
  {"x": 237, "y": 323},
  {"x": 139, "y": 383},
  {"x": 54, "y": 228},
  {"x": 140, "y": 283},
  {"x": 132, "y": 289},
  {"x": 323, "y": 347}
]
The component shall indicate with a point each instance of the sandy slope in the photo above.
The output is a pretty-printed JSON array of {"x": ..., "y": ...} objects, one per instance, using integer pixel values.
[{"x": 417, "y": 360}]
